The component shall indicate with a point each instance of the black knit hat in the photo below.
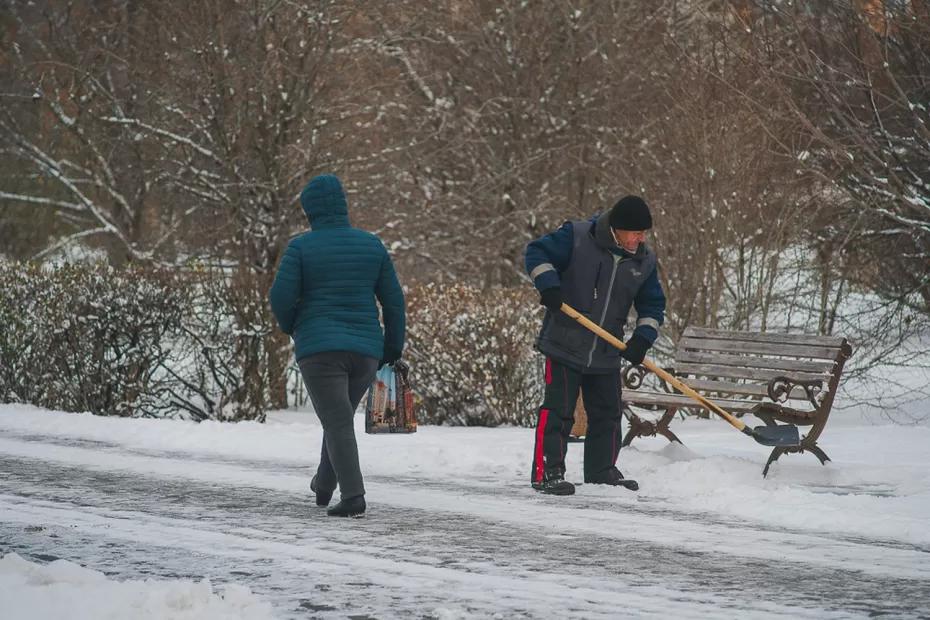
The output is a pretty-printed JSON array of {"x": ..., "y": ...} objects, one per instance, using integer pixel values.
[{"x": 630, "y": 213}]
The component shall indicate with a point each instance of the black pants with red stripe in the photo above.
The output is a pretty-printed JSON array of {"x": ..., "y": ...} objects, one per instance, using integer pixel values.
[{"x": 601, "y": 396}]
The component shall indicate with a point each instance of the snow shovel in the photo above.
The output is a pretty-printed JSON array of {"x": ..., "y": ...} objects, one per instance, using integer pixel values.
[{"x": 783, "y": 435}]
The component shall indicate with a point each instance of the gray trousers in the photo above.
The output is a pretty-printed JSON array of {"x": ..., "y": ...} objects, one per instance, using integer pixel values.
[{"x": 337, "y": 380}]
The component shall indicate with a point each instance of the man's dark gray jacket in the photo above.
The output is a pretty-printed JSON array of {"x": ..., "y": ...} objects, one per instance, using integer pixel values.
[{"x": 600, "y": 280}]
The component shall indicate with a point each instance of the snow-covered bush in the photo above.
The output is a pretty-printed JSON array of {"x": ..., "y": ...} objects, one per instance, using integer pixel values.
[
  {"x": 229, "y": 361},
  {"x": 21, "y": 347},
  {"x": 471, "y": 354},
  {"x": 86, "y": 338},
  {"x": 139, "y": 341}
]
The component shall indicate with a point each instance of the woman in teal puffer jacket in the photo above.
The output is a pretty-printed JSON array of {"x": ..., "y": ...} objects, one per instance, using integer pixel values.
[{"x": 324, "y": 296}]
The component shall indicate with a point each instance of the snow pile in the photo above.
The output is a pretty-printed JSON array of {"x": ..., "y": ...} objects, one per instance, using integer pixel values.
[{"x": 63, "y": 589}]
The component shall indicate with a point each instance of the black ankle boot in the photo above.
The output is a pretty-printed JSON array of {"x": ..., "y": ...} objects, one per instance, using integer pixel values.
[
  {"x": 612, "y": 477},
  {"x": 554, "y": 483},
  {"x": 349, "y": 507},
  {"x": 322, "y": 497}
]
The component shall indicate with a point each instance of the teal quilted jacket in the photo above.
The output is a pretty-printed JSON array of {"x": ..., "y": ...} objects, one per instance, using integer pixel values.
[{"x": 329, "y": 279}]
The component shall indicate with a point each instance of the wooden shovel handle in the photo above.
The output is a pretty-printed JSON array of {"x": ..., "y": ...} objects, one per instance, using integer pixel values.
[{"x": 682, "y": 387}]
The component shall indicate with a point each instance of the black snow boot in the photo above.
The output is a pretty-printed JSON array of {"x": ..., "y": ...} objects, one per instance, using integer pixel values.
[
  {"x": 612, "y": 477},
  {"x": 554, "y": 483},
  {"x": 349, "y": 507},
  {"x": 322, "y": 497}
]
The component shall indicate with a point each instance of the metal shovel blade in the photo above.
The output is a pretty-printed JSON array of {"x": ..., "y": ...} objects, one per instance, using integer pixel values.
[{"x": 781, "y": 435}]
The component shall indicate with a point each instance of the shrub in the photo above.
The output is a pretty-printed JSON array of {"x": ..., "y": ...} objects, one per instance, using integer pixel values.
[
  {"x": 139, "y": 341},
  {"x": 86, "y": 339},
  {"x": 471, "y": 354},
  {"x": 229, "y": 361}
]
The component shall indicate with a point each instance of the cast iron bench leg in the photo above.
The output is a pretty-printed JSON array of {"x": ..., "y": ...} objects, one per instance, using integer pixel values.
[
  {"x": 812, "y": 448},
  {"x": 645, "y": 428},
  {"x": 638, "y": 428},
  {"x": 662, "y": 426}
]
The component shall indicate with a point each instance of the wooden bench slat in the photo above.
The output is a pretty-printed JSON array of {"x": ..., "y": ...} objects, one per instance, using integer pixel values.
[
  {"x": 750, "y": 389},
  {"x": 679, "y": 400},
  {"x": 769, "y": 363},
  {"x": 739, "y": 346},
  {"x": 734, "y": 372},
  {"x": 770, "y": 337}
]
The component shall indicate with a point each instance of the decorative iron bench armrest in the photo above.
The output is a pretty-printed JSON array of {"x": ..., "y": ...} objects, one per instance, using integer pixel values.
[
  {"x": 780, "y": 387},
  {"x": 633, "y": 377}
]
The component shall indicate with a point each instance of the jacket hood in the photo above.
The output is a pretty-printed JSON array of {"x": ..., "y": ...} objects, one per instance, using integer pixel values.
[{"x": 324, "y": 202}]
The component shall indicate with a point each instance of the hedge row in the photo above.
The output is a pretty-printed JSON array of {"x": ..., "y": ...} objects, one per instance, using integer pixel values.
[
  {"x": 138, "y": 341},
  {"x": 202, "y": 344}
]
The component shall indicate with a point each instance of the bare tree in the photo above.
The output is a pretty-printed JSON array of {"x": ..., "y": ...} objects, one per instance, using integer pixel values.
[
  {"x": 165, "y": 132},
  {"x": 155, "y": 118},
  {"x": 856, "y": 78},
  {"x": 505, "y": 119}
]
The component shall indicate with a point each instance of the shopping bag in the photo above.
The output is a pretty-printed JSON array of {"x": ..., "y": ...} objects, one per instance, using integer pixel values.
[{"x": 390, "y": 405}]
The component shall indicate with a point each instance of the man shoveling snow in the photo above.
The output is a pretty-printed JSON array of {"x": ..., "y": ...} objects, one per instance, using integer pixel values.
[{"x": 602, "y": 267}]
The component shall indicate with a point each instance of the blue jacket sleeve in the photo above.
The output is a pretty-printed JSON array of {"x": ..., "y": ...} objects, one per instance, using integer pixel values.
[
  {"x": 286, "y": 289},
  {"x": 650, "y": 307},
  {"x": 391, "y": 297},
  {"x": 549, "y": 255}
]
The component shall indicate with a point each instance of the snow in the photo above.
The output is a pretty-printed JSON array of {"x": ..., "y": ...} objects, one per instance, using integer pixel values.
[
  {"x": 878, "y": 484},
  {"x": 864, "y": 513},
  {"x": 63, "y": 589}
]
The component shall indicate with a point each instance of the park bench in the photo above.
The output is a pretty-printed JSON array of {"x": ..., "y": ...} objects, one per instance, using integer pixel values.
[{"x": 785, "y": 378}]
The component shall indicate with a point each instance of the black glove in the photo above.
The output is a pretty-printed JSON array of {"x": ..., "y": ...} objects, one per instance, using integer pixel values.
[
  {"x": 390, "y": 356},
  {"x": 551, "y": 298},
  {"x": 636, "y": 348}
]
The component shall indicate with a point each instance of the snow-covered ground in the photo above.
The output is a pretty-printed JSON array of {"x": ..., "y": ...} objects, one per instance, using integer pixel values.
[
  {"x": 63, "y": 589},
  {"x": 184, "y": 520}
]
